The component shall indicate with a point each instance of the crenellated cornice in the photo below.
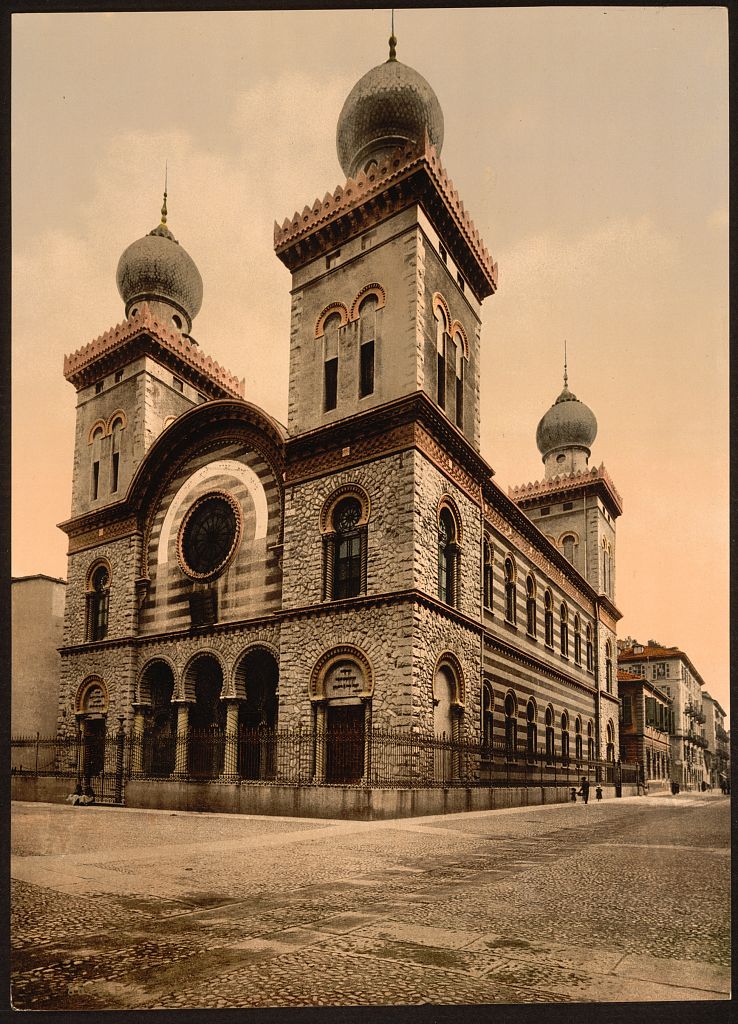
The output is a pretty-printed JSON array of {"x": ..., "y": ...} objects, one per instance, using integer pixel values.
[{"x": 596, "y": 478}]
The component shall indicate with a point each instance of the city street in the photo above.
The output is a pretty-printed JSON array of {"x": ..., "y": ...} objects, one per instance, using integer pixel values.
[{"x": 119, "y": 908}]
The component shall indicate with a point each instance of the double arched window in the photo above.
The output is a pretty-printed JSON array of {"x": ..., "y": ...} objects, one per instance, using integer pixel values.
[
  {"x": 488, "y": 563},
  {"x": 577, "y": 639},
  {"x": 530, "y": 605},
  {"x": 548, "y": 617},
  {"x": 590, "y": 649},
  {"x": 565, "y": 738},
  {"x": 564, "y": 630},
  {"x": 442, "y": 342},
  {"x": 367, "y": 344},
  {"x": 115, "y": 455},
  {"x": 344, "y": 522},
  {"x": 610, "y": 749},
  {"x": 330, "y": 361},
  {"x": 449, "y": 551},
  {"x": 608, "y": 666},
  {"x": 488, "y": 703},
  {"x": 568, "y": 544},
  {"x": 590, "y": 742},
  {"x": 578, "y": 738},
  {"x": 606, "y": 567},
  {"x": 96, "y": 440},
  {"x": 98, "y": 601},
  {"x": 450, "y": 355},
  {"x": 511, "y": 595}
]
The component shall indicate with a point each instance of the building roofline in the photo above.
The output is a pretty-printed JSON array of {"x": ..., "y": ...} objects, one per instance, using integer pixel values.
[{"x": 37, "y": 576}]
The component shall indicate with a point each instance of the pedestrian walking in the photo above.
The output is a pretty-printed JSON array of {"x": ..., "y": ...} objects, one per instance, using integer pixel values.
[{"x": 584, "y": 789}]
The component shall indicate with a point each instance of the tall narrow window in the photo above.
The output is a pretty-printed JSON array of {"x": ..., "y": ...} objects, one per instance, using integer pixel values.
[
  {"x": 347, "y": 561},
  {"x": 590, "y": 742},
  {"x": 568, "y": 545},
  {"x": 511, "y": 726},
  {"x": 548, "y": 616},
  {"x": 564, "y": 630},
  {"x": 549, "y": 734},
  {"x": 609, "y": 569},
  {"x": 459, "y": 383},
  {"x": 530, "y": 605},
  {"x": 608, "y": 667},
  {"x": 448, "y": 550},
  {"x": 330, "y": 361},
  {"x": 590, "y": 649},
  {"x": 577, "y": 639},
  {"x": 531, "y": 730},
  {"x": 565, "y": 738},
  {"x": 115, "y": 456},
  {"x": 604, "y": 566},
  {"x": 368, "y": 321},
  {"x": 97, "y": 603},
  {"x": 96, "y": 452},
  {"x": 610, "y": 749},
  {"x": 95, "y": 479},
  {"x": 487, "y": 575},
  {"x": 441, "y": 337},
  {"x": 511, "y": 604},
  {"x": 578, "y": 739},
  {"x": 488, "y": 703}
]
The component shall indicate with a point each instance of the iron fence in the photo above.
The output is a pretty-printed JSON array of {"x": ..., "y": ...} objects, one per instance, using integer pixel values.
[{"x": 302, "y": 756}]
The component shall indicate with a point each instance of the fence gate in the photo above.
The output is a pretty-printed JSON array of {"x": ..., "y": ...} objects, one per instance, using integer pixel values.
[{"x": 102, "y": 761}]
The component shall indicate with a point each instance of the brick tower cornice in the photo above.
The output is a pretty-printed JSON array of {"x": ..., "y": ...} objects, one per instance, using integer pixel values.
[
  {"x": 142, "y": 334},
  {"x": 413, "y": 174}
]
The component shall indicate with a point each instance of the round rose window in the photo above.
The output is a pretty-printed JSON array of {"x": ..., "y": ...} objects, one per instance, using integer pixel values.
[{"x": 209, "y": 536}]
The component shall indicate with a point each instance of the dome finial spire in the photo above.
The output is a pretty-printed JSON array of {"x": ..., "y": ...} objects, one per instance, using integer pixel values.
[
  {"x": 566, "y": 376},
  {"x": 393, "y": 40},
  {"x": 164, "y": 204}
]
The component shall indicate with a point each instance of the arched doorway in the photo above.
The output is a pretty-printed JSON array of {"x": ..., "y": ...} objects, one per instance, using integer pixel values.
[
  {"x": 160, "y": 730},
  {"x": 447, "y": 708},
  {"x": 341, "y": 688},
  {"x": 258, "y": 677},
  {"x": 206, "y": 717},
  {"x": 92, "y": 710}
]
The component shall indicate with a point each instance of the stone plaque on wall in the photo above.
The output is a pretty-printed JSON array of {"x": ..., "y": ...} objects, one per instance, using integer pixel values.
[{"x": 345, "y": 679}]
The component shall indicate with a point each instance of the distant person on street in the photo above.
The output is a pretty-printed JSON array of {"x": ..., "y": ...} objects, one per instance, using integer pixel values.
[{"x": 584, "y": 789}]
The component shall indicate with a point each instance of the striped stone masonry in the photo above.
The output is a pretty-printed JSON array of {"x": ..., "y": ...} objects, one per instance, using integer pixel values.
[{"x": 143, "y": 323}]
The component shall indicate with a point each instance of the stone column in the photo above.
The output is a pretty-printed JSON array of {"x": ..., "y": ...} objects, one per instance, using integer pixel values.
[
  {"x": 183, "y": 736},
  {"x": 137, "y": 737},
  {"x": 230, "y": 760},
  {"x": 320, "y": 741}
]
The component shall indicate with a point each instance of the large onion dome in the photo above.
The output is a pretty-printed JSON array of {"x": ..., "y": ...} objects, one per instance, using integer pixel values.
[
  {"x": 156, "y": 268},
  {"x": 389, "y": 107},
  {"x": 569, "y": 423}
]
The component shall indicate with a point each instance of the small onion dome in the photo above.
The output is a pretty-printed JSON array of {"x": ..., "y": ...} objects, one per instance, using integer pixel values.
[
  {"x": 568, "y": 423},
  {"x": 157, "y": 267},
  {"x": 389, "y": 107}
]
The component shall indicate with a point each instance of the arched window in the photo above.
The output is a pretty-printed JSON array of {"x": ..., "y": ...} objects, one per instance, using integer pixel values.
[
  {"x": 98, "y": 597},
  {"x": 459, "y": 367},
  {"x": 564, "y": 631},
  {"x": 548, "y": 617},
  {"x": 441, "y": 346},
  {"x": 115, "y": 456},
  {"x": 368, "y": 335},
  {"x": 609, "y": 569},
  {"x": 550, "y": 744},
  {"x": 511, "y": 725},
  {"x": 330, "y": 361},
  {"x": 590, "y": 742},
  {"x": 97, "y": 439},
  {"x": 565, "y": 738},
  {"x": 448, "y": 558},
  {"x": 487, "y": 575},
  {"x": 347, "y": 567},
  {"x": 608, "y": 667},
  {"x": 578, "y": 739},
  {"x": 605, "y": 586},
  {"x": 568, "y": 544},
  {"x": 590, "y": 649},
  {"x": 530, "y": 605},
  {"x": 511, "y": 601},
  {"x": 488, "y": 703},
  {"x": 577, "y": 639},
  {"x": 531, "y": 729},
  {"x": 610, "y": 751}
]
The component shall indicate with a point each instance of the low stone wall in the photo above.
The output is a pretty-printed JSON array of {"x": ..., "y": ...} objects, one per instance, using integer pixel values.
[{"x": 310, "y": 801}]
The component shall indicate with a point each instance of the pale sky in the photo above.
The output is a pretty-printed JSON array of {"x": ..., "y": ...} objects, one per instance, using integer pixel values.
[{"x": 590, "y": 146}]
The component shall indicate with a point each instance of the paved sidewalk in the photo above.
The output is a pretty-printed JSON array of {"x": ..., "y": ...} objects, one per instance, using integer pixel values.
[{"x": 120, "y": 908}]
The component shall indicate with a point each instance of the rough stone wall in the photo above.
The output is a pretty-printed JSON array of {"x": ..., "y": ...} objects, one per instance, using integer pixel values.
[
  {"x": 389, "y": 484},
  {"x": 115, "y": 665},
  {"x": 431, "y": 485},
  {"x": 124, "y": 558},
  {"x": 384, "y": 633},
  {"x": 435, "y": 634}
]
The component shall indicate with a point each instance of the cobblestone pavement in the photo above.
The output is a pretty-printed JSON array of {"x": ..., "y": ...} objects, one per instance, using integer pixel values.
[{"x": 118, "y": 908}]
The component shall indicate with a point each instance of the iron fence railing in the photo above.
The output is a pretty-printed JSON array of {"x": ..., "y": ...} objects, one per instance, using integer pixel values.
[{"x": 302, "y": 756}]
